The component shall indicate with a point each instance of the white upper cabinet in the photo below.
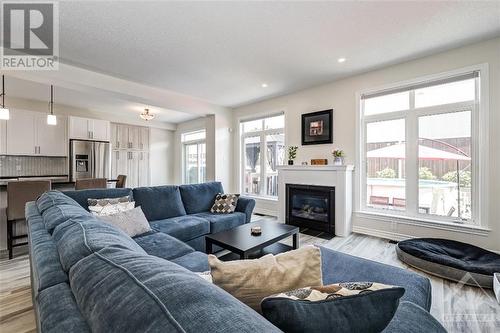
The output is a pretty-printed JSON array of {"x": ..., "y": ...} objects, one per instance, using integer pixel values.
[
  {"x": 21, "y": 133},
  {"x": 144, "y": 138},
  {"x": 52, "y": 140},
  {"x": 89, "y": 129},
  {"x": 133, "y": 137},
  {"x": 27, "y": 133},
  {"x": 3, "y": 137},
  {"x": 129, "y": 137}
]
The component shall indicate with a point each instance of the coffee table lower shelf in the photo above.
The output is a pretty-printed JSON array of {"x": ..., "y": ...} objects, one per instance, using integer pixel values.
[{"x": 275, "y": 248}]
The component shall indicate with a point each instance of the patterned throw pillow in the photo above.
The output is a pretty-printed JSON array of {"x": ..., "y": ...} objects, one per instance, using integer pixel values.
[
  {"x": 341, "y": 307},
  {"x": 225, "y": 203},
  {"x": 110, "y": 206}
]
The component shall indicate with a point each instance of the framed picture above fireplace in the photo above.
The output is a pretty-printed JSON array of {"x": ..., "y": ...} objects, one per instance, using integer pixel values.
[{"x": 317, "y": 127}]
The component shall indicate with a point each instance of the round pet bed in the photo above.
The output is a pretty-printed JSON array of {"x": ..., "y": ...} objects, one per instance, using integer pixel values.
[{"x": 451, "y": 260}]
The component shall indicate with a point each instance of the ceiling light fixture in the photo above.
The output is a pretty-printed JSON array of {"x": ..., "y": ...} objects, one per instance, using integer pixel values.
[
  {"x": 51, "y": 118},
  {"x": 264, "y": 85},
  {"x": 4, "y": 112},
  {"x": 341, "y": 60},
  {"x": 146, "y": 115}
]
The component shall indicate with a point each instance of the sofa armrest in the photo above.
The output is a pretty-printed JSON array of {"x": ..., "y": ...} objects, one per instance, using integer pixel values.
[{"x": 246, "y": 205}]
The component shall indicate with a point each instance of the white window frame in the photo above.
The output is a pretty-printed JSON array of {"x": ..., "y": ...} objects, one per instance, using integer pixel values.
[
  {"x": 263, "y": 146},
  {"x": 184, "y": 161},
  {"x": 479, "y": 147}
]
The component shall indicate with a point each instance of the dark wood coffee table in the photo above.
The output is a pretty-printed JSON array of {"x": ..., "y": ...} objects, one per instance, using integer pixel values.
[{"x": 240, "y": 241}]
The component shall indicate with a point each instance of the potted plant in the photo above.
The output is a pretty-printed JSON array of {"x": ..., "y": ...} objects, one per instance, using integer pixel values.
[
  {"x": 292, "y": 154},
  {"x": 338, "y": 157}
]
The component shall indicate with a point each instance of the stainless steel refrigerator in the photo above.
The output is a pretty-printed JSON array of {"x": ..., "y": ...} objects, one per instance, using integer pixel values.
[{"x": 89, "y": 159}]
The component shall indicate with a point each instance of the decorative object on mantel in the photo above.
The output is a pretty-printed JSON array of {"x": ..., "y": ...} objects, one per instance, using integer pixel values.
[
  {"x": 4, "y": 112},
  {"x": 146, "y": 115},
  {"x": 256, "y": 230},
  {"x": 305, "y": 163},
  {"x": 338, "y": 157},
  {"x": 319, "y": 161},
  {"x": 292, "y": 154},
  {"x": 317, "y": 127}
]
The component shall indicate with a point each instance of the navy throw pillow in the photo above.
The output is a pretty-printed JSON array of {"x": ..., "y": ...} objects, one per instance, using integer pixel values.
[{"x": 343, "y": 307}]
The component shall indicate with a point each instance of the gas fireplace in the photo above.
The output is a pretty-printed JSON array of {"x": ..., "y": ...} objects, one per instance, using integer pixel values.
[{"x": 311, "y": 207}]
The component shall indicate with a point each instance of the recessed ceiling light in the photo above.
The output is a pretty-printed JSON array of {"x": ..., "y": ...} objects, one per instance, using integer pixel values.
[
  {"x": 264, "y": 85},
  {"x": 341, "y": 60}
]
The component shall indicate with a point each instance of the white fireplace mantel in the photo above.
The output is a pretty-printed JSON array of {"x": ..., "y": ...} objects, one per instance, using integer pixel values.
[{"x": 321, "y": 175}]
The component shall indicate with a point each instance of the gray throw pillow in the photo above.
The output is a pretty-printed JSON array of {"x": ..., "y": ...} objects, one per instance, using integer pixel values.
[
  {"x": 225, "y": 203},
  {"x": 110, "y": 206},
  {"x": 132, "y": 222},
  {"x": 341, "y": 307}
]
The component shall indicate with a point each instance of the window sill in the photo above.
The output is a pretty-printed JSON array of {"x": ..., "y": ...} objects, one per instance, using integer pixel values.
[
  {"x": 429, "y": 223},
  {"x": 263, "y": 198}
]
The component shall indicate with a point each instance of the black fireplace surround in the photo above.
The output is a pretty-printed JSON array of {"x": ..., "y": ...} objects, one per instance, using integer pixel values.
[{"x": 311, "y": 207}]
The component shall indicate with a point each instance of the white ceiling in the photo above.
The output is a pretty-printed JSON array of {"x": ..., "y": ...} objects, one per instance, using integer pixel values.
[{"x": 223, "y": 51}]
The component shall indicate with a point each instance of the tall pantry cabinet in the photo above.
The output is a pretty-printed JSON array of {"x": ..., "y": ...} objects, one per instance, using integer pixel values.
[{"x": 130, "y": 154}]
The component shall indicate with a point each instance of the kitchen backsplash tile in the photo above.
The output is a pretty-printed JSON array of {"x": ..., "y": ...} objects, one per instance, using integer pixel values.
[{"x": 17, "y": 166}]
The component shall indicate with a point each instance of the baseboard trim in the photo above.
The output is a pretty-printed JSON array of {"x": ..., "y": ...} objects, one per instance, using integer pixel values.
[
  {"x": 264, "y": 211},
  {"x": 380, "y": 233}
]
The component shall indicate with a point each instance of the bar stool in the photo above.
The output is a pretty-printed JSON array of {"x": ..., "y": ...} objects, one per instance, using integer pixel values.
[{"x": 18, "y": 194}]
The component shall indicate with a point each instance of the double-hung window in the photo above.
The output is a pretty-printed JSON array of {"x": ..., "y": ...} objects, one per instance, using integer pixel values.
[
  {"x": 262, "y": 150},
  {"x": 194, "y": 157},
  {"x": 419, "y": 149}
]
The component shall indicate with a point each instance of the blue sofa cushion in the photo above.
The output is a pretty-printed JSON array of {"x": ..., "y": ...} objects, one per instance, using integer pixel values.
[
  {"x": 47, "y": 270},
  {"x": 53, "y": 198},
  {"x": 221, "y": 222},
  {"x": 162, "y": 245},
  {"x": 368, "y": 311},
  {"x": 418, "y": 288},
  {"x": 195, "y": 261},
  {"x": 199, "y": 198},
  {"x": 80, "y": 237},
  {"x": 55, "y": 215},
  {"x": 159, "y": 202},
  {"x": 81, "y": 196},
  {"x": 183, "y": 227},
  {"x": 58, "y": 312},
  {"x": 411, "y": 318},
  {"x": 150, "y": 294}
]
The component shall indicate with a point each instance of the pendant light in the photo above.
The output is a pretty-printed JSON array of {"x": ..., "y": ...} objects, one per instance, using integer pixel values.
[
  {"x": 4, "y": 112},
  {"x": 146, "y": 115},
  {"x": 51, "y": 118}
]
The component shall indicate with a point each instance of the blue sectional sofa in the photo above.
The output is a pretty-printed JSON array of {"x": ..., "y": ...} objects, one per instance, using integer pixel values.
[{"x": 88, "y": 276}]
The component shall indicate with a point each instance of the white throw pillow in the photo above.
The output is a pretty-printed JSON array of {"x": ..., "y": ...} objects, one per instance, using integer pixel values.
[
  {"x": 132, "y": 221},
  {"x": 110, "y": 206}
]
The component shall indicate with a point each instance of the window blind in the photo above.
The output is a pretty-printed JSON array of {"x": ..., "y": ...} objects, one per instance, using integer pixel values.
[{"x": 246, "y": 120}]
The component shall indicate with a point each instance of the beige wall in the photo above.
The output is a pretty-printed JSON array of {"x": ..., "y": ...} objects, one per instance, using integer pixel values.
[
  {"x": 161, "y": 155},
  {"x": 341, "y": 96}
]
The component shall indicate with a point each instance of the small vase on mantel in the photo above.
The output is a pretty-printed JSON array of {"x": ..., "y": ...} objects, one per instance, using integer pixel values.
[
  {"x": 338, "y": 157},
  {"x": 290, "y": 162}
]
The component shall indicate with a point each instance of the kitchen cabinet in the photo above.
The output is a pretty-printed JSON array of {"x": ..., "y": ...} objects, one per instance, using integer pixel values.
[
  {"x": 3, "y": 137},
  {"x": 89, "y": 129},
  {"x": 130, "y": 155},
  {"x": 27, "y": 133},
  {"x": 52, "y": 140},
  {"x": 21, "y": 133}
]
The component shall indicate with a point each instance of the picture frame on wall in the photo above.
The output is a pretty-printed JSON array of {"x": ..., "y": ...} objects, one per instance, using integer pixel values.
[{"x": 317, "y": 127}]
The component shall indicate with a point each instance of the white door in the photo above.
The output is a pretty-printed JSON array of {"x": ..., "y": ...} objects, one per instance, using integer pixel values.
[
  {"x": 144, "y": 138},
  {"x": 133, "y": 169},
  {"x": 133, "y": 137},
  {"x": 122, "y": 133},
  {"x": 51, "y": 139},
  {"x": 143, "y": 168},
  {"x": 100, "y": 130},
  {"x": 3, "y": 136},
  {"x": 79, "y": 128},
  {"x": 119, "y": 163},
  {"x": 21, "y": 133}
]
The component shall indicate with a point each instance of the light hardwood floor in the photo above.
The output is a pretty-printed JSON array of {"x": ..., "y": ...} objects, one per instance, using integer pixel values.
[{"x": 458, "y": 308}]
